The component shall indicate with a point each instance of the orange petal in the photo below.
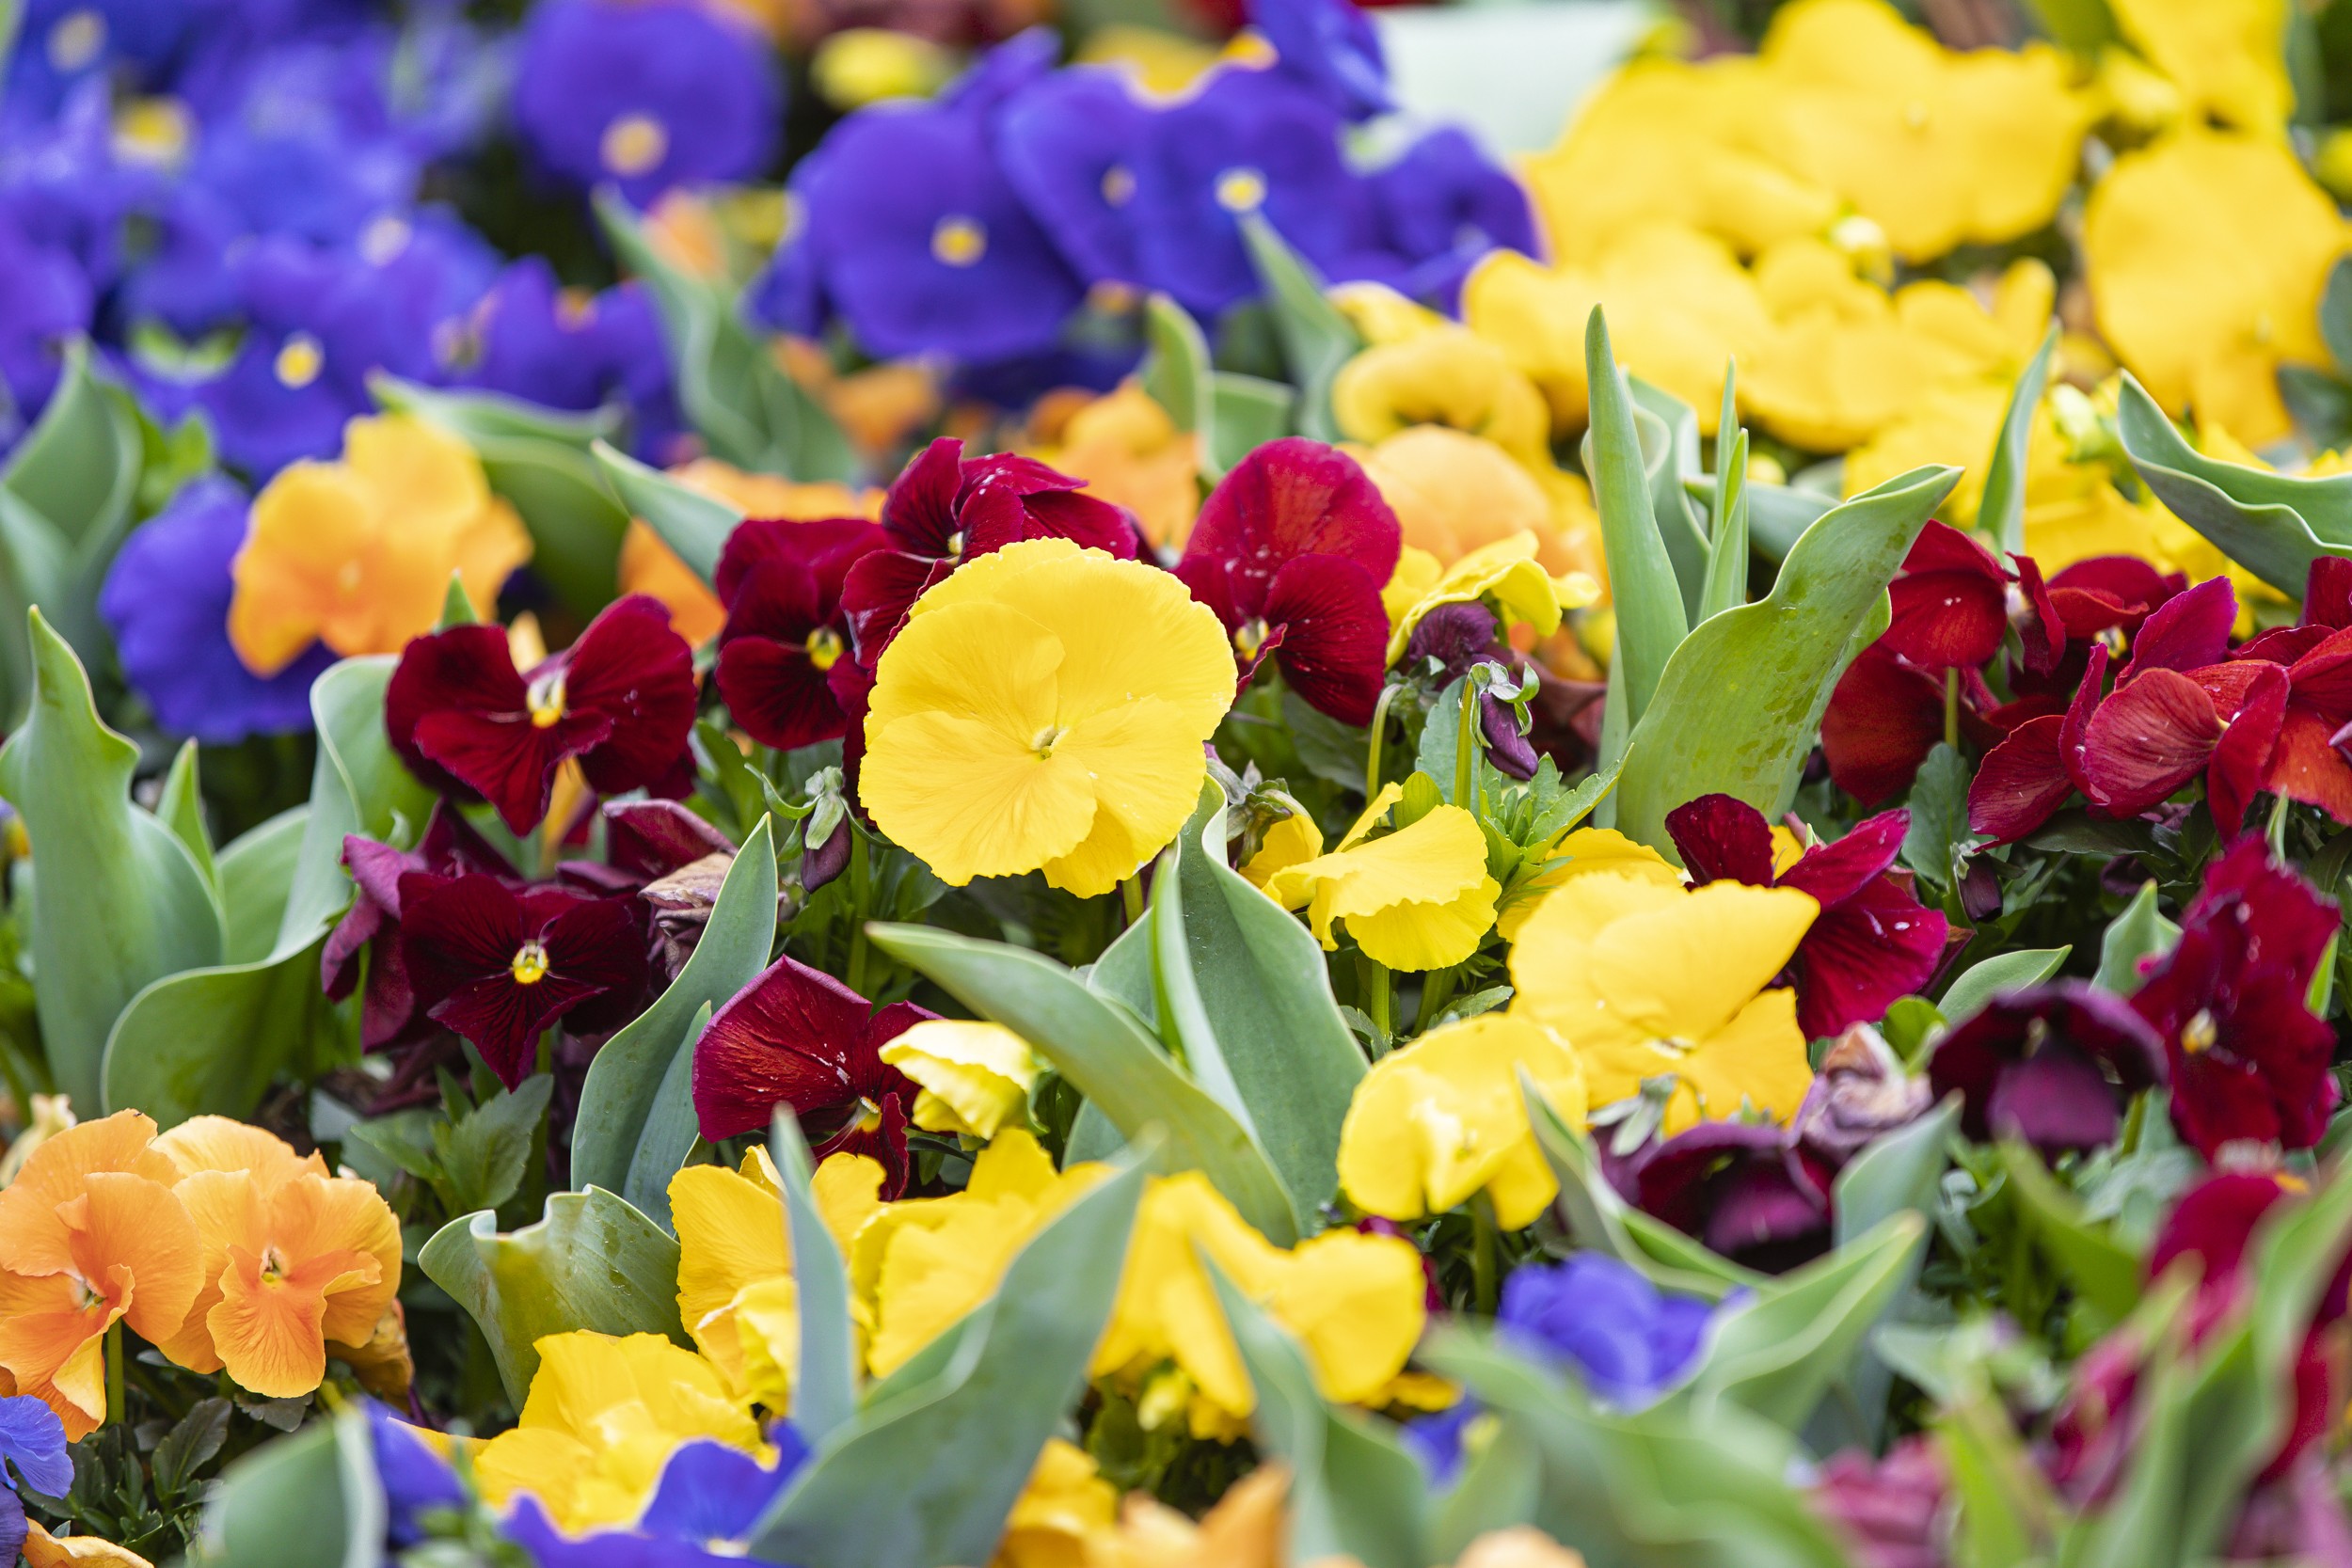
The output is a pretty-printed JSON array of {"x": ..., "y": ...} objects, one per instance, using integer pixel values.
[
  {"x": 53, "y": 1347},
  {"x": 318, "y": 1216},
  {"x": 128, "y": 1222},
  {"x": 267, "y": 1329},
  {"x": 44, "y": 1550},
  {"x": 32, "y": 1239},
  {"x": 226, "y": 1206},
  {"x": 221, "y": 1144}
]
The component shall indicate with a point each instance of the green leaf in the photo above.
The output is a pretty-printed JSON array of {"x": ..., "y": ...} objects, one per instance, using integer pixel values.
[
  {"x": 1500, "y": 1487},
  {"x": 1175, "y": 371},
  {"x": 1670, "y": 456},
  {"x": 1250, "y": 411},
  {"x": 2079, "y": 27},
  {"x": 357, "y": 785},
  {"x": 211, "y": 1041},
  {"x": 1740, "y": 704},
  {"x": 1996, "y": 976},
  {"x": 1355, "y": 1492},
  {"x": 1103, "y": 1050},
  {"x": 1727, "y": 552},
  {"x": 180, "y": 808},
  {"x": 1798, "y": 1333},
  {"x": 2002, "y": 512},
  {"x": 118, "y": 901},
  {"x": 693, "y": 525},
  {"x": 1895, "y": 1171},
  {"x": 256, "y": 873},
  {"x": 825, "y": 1378},
  {"x": 484, "y": 1152},
  {"x": 928, "y": 1473},
  {"x": 2103, "y": 1271},
  {"x": 2335, "y": 314},
  {"x": 592, "y": 1261},
  {"x": 2274, "y": 525},
  {"x": 2140, "y": 932},
  {"x": 624, "y": 1083},
  {"x": 1651, "y": 623},
  {"x": 190, "y": 1445},
  {"x": 747, "y": 409},
  {"x": 1939, "y": 814},
  {"x": 473, "y": 415},
  {"x": 576, "y": 526},
  {"x": 673, "y": 1127},
  {"x": 456, "y": 605},
  {"x": 1244, "y": 988},
  {"x": 311, "y": 1500},
  {"x": 78, "y": 469},
  {"x": 1317, "y": 338}
]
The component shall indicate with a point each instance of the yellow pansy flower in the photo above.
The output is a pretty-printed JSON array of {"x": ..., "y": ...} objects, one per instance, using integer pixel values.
[
  {"x": 732, "y": 1253},
  {"x": 1417, "y": 899},
  {"x": 1380, "y": 315},
  {"x": 1130, "y": 454},
  {"x": 974, "y": 1077},
  {"x": 1645, "y": 981},
  {"x": 2206, "y": 254},
  {"x": 1292, "y": 841},
  {"x": 1454, "y": 493},
  {"x": 358, "y": 553},
  {"x": 2226, "y": 58},
  {"x": 1449, "y": 376},
  {"x": 1045, "y": 708},
  {"x": 600, "y": 1421},
  {"x": 1064, "y": 1509},
  {"x": 1442, "y": 1119},
  {"x": 1582, "y": 852},
  {"x": 1507, "y": 574}
]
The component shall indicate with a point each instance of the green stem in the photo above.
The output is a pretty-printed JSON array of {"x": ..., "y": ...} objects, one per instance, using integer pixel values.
[
  {"x": 1130, "y": 898},
  {"x": 1377, "y": 994},
  {"x": 2277, "y": 832},
  {"x": 1379, "y": 733},
  {"x": 1951, "y": 708},
  {"x": 116, "y": 1408},
  {"x": 861, "y": 889},
  {"x": 1466, "y": 742},
  {"x": 1482, "y": 1248}
]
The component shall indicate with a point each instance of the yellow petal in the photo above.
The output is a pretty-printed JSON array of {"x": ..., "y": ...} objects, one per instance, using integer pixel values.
[{"x": 979, "y": 1075}]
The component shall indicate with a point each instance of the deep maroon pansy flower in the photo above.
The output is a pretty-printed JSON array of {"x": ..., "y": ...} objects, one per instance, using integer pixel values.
[
  {"x": 1291, "y": 549},
  {"x": 798, "y": 1036},
  {"x": 786, "y": 628},
  {"x": 2037, "y": 766},
  {"x": 1743, "y": 1188},
  {"x": 2051, "y": 1065},
  {"x": 944, "y": 510},
  {"x": 450, "y": 848},
  {"x": 2249, "y": 1062},
  {"x": 1884, "y": 716},
  {"x": 621, "y": 699},
  {"x": 672, "y": 859},
  {"x": 1872, "y": 942},
  {"x": 499, "y": 965},
  {"x": 1950, "y": 602},
  {"x": 1894, "y": 1513}
]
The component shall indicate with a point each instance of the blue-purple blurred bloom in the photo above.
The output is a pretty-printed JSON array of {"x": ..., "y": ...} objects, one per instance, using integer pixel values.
[
  {"x": 1328, "y": 47},
  {"x": 33, "y": 1440},
  {"x": 1068, "y": 145}
]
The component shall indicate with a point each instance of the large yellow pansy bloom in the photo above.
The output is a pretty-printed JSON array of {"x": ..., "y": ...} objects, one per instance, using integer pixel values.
[
  {"x": 1416, "y": 899},
  {"x": 1045, "y": 708}
]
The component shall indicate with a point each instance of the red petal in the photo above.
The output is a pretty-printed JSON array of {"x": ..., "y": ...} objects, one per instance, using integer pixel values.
[
  {"x": 784, "y": 1039},
  {"x": 2191, "y": 630},
  {"x": 2019, "y": 783},
  {"x": 467, "y": 668},
  {"x": 1089, "y": 520},
  {"x": 1884, "y": 718},
  {"x": 824, "y": 546},
  {"x": 653, "y": 838},
  {"x": 1293, "y": 497},
  {"x": 458, "y": 930},
  {"x": 2110, "y": 590},
  {"x": 1944, "y": 619},
  {"x": 1835, "y": 872},
  {"x": 630, "y": 669},
  {"x": 920, "y": 509},
  {"x": 1720, "y": 836},
  {"x": 2242, "y": 759},
  {"x": 1862, "y": 953},
  {"x": 2044, "y": 630},
  {"x": 2151, "y": 737},
  {"x": 879, "y": 590},
  {"x": 886, "y": 1142},
  {"x": 2307, "y": 766},
  {"x": 2327, "y": 593},
  {"x": 504, "y": 1019},
  {"x": 1334, "y": 647},
  {"x": 2057, "y": 1099},
  {"x": 2323, "y": 679},
  {"x": 1942, "y": 548},
  {"x": 506, "y": 758},
  {"x": 2078, "y": 711},
  {"x": 776, "y": 695}
]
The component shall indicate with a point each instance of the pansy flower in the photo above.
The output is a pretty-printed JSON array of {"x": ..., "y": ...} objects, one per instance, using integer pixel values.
[
  {"x": 798, "y": 1036},
  {"x": 2051, "y": 1065},
  {"x": 1873, "y": 940},
  {"x": 786, "y": 627},
  {"x": 450, "y": 848},
  {"x": 32, "y": 1441},
  {"x": 1291, "y": 549},
  {"x": 621, "y": 699},
  {"x": 1068, "y": 144},
  {"x": 499, "y": 964},
  {"x": 1751, "y": 1192},
  {"x": 1329, "y": 48},
  {"x": 946, "y": 509}
]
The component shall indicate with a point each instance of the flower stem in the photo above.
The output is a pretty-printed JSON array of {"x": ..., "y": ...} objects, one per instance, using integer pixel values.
[
  {"x": 1951, "y": 708},
  {"x": 117, "y": 1407},
  {"x": 2277, "y": 834},
  {"x": 1466, "y": 742},
  {"x": 1379, "y": 733},
  {"x": 1482, "y": 1247},
  {"x": 1377, "y": 1006},
  {"x": 1130, "y": 898}
]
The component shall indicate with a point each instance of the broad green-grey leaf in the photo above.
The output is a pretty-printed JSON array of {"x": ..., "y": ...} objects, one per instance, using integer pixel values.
[
  {"x": 1355, "y": 1492},
  {"x": 1670, "y": 455},
  {"x": 2274, "y": 525},
  {"x": 576, "y": 526},
  {"x": 2141, "y": 932},
  {"x": 672, "y": 1130},
  {"x": 311, "y": 1501},
  {"x": 1317, "y": 338},
  {"x": 1651, "y": 621},
  {"x": 476, "y": 416},
  {"x": 256, "y": 873},
  {"x": 625, "y": 1080},
  {"x": 2335, "y": 315},
  {"x": 592, "y": 1261},
  {"x": 1500, "y": 1487},
  {"x": 928, "y": 1473},
  {"x": 1175, "y": 372},
  {"x": 357, "y": 785},
  {"x": 693, "y": 525},
  {"x": 1250, "y": 411},
  {"x": 1726, "y": 586},
  {"x": 825, "y": 1378},
  {"x": 1103, "y": 1050},
  {"x": 1738, "y": 706},
  {"x": 179, "y": 806},
  {"x": 2004, "y": 971},
  {"x": 1896, "y": 1171},
  {"x": 209, "y": 1040},
  {"x": 118, "y": 901},
  {"x": 2002, "y": 511}
]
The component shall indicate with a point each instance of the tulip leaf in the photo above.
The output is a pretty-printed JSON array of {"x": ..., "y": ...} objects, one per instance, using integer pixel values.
[
  {"x": 693, "y": 525},
  {"x": 311, "y": 1500},
  {"x": 2141, "y": 932},
  {"x": 1316, "y": 337},
  {"x": 672, "y": 1128},
  {"x": 2002, "y": 972},
  {"x": 1777, "y": 1353},
  {"x": 2335, "y": 314},
  {"x": 824, "y": 1379},
  {"x": 625, "y": 1081},
  {"x": 475, "y": 416},
  {"x": 1895, "y": 1171},
  {"x": 2103, "y": 1271},
  {"x": 1651, "y": 620},
  {"x": 749, "y": 411},
  {"x": 1355, "y": 1492},
  {"x": 357, "y": 785},
  {"x": 592, "y": 1261},
  {"x": 1175, "y": 372},
  {"x": 1500, "y": 1487},
  {"x": 2002, "y": 512},
  {"x": 256, "y": 874},
  {"x": 1250, "y": 411},
  {"x": 1739, "y": 706},
  {"x": 1727, "y": 552},
  {"x": 210, "y": 1041},
  {"x": 1103, "y": 1050},
  {"x": 1247, "y": 997},
  {"x": 2274, "y": 525},
  {"x": 179, "y": 806},
  {"x": 576, "y": 526},
  {"x": 928, "y": 1473},
  {"x": 118, "y": 901},
  {"x": 1670, "y": 455}
]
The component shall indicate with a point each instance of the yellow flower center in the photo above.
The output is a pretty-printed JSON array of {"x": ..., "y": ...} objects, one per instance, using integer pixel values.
[
  {"x": 530, "y": 963},
  {"x": 152, "y": 130},
  {"x": 955, "y": 546},
  {"x": 75, "y": 39},
  {"x": 1241, "y": 190},
  {"x": 633, "y": 144},
  {"x": 547, "y": 700},
  {"x": 1249, "y": 637},
  {"x": 1047, "y": 738},
  {"x": 2199, "y": 1033},
  {"x": 824, "y": 648},
  {"x": 299, "y": 360},
  {"x": 958, "y": 242},
  {"x": 869, "y": 1114},
  {"x": 1119, "y": 184}
]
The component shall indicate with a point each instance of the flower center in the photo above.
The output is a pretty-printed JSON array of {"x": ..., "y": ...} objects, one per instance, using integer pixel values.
[
  {"x": 2037, "y": 1036},
  {"x": 299, "y": 360},
  {"x": 955, "y": 546},
  {"x": 1249, "y": 637},
  {"x": 824, "y": 648},
  {"x": 547, "y": 700},
  {"x": 633, "y": 144},
  {"x": 2199, "y": 1033},
  {"x": 958, "y": 242},
  {"x": 77, "y": 38},
  {"x": 869, "y": 1114},
  {"x": 530, "y": 963},
  {"x": 1241, "y": 190},
  {"x": 1047, "y": 738},
  {"x": 1119, "y": 184},
  {"x": 384, "y": 239}
]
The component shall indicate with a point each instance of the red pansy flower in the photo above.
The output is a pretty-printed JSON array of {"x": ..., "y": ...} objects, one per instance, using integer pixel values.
[
  {"x": 1745, "y": 1189},
  {"x": 798, "y": 1036},
  {"x": 2049, "y": 1064},
  {"x": 1886, "y": 716},
  {"x": 1872, "y": 942},
  {"x": 944, "y": 510},
  {"x": 621, "y": 699},
  {"x": 450, "y": 848},
  {"x": 499, "y": 964},
  {"x": 786, "y": 627},
  {"x": 1291, "y": 550}
]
